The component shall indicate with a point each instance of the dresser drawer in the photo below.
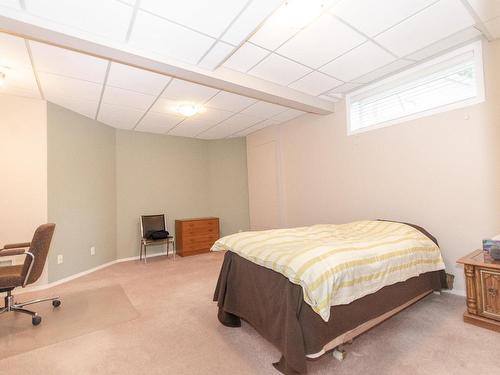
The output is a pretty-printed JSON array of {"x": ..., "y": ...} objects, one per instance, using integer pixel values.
[
  {"x": 489, "y": 284},
  {"x": 202, "y": 230},
  {"x": 199, "y": 247},
  {"x": 200, "y": 224},
  {"x": 196, "y": 236}
]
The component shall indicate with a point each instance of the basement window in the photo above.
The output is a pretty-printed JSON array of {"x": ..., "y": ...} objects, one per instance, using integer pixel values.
[{"x": 449, "y": 82}]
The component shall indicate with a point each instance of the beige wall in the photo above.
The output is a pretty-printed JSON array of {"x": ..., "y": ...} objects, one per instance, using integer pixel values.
[
  {"x": 81, "y": 191},
  {"x": 228, "y": 184},
  {"x": 23, "y": 163},
  {"x": 442, "y": 172},
  {"x": 265, "y": 185}
]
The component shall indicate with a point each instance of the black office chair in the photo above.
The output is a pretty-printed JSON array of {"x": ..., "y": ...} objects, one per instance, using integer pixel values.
[{"x": 150, "y": 224}]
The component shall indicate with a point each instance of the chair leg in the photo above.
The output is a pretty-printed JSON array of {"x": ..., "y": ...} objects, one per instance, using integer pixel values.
[
  {"x": 24, "y": 311},
  {"x": 145, "y": 253},
  {"x": 10, "y": 305},
  {"x": 54, "y": 300},
  {"x": 168, "y": 246}
]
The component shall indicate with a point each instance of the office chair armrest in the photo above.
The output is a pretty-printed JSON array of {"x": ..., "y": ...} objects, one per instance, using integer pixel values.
[
  {"x": 21, "y": 245},
  {"x": 11, "y": 252}
]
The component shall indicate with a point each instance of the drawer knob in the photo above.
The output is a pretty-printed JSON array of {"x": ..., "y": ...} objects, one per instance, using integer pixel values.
[{"x": 492, "y": 292}]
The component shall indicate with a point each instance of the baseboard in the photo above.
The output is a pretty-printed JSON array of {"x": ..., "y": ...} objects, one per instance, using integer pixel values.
[
  {"x": 80, "y": 274},
  {"x": 456, "y": 292}
]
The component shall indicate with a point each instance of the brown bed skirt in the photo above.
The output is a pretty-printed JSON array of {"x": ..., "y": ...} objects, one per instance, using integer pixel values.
[{"x": 275, "y": 307}]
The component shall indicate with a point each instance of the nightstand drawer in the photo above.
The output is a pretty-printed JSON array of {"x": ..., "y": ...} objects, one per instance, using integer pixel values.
[{"x": 489, "y": 284}]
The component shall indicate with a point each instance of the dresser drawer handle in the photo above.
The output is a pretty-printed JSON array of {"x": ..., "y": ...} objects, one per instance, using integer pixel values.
[{"x": 492, "y": 292}]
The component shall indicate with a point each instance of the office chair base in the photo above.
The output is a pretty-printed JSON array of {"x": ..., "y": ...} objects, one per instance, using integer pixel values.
[{"x": 11, "y": 305}]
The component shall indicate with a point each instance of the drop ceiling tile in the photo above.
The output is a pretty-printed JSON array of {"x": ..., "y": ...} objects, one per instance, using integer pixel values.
[
  {"x": 216, "y": 55},
  {"x": 194, "y": 125},
  {"x": 139, "y": 80},
  {"x": 315, "y": 45},
  {"x": 245, "y": 57},
  {"x": 20, "y": 82},
  {"x": 119, "y": 116},
  {"x": 230, "y": 126},
  {"x": 211, "y": 116},
  {"x": 150, "y": 129},
  {"x": 370, "y": 17},
  {"x": 429, "y": 26},
  {"x": 346, "y": 87},
  {"x": 274, "y": 32},
  {"x": 185, "y": 129},
  {"x": 384, "y": 71},
  {"x": 315, "y": 83},
  {"x": 158, "y": 123},
  {"x": 56, "y": 86},
  {"x": 210, "y": 17},
  {"x": 486, "y": 9},
  {"x": 264, "y": 109},
  {"x": 456, "y": 39},
  {"x": 108, "y": 18},
  {"x": 127, "y": 98},
  {"x": 256, "y": 127},
  {"x": 249, "y": 20},
  {"x": 13, "y": 52},
  {"x": 86, "y": 108},
  {"x": 330, "y": 98},
  {"x": 166, "y": 106},
  {"x": 493, "y": 27},
  {"x": 287, "y": 115},
  {"x": 279, "y": 70},
  {"x": 68, "y": 63},
  {"x": 359, "y": 61},
  {"x": 154, "y": 34},
  {"x": 229, "y": 102},
  {"x": 11, "y": 3},
  {"x": 187, "y": 91}
]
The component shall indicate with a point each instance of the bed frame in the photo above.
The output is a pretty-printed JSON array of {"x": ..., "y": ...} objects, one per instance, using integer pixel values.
[{"x": 337, "y": 344}]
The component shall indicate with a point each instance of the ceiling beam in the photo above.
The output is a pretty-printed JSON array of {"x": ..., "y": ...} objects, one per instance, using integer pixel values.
[{"x": 222, "y": 79}]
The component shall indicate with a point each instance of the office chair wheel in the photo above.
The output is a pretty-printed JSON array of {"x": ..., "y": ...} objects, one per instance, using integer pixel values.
[
  {"x": 56, "y": 303},
  {"x": 36, "y": 320}
]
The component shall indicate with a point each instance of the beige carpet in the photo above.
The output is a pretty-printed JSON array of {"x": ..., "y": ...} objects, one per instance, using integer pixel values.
[
  {"x": 177, "y": 332},
  {"x": 84, "y": 311}
]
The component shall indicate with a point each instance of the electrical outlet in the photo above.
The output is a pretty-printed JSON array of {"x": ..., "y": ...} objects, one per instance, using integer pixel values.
[
  {"x": 92, "y": 250},
  {"x": 59, "y": 259}
]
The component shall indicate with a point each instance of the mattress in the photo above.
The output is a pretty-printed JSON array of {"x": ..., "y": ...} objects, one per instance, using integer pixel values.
[{"x": 338, "y": 264}]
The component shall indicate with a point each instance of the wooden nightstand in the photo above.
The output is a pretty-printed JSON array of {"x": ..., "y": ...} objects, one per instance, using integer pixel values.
[{"x": 482, "y": 280}]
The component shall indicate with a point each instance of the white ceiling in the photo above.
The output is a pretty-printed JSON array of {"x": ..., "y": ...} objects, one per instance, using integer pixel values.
[
  {"x": 373, "y": 39},
  {"x": 126, "y": 97},
  {"x": 349, "y": 43}
]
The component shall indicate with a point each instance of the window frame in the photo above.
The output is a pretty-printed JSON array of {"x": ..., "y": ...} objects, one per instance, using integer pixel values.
[{"x": 475, "y": 47}]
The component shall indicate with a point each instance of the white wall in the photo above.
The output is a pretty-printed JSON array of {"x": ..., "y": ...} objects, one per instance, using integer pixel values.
[
  {"x": 441, "y": 172},
  {"x": 23, "y": 164}
]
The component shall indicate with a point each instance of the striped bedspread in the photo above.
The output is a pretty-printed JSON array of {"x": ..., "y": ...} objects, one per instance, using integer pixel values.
[{"x": 337, "y": 264}]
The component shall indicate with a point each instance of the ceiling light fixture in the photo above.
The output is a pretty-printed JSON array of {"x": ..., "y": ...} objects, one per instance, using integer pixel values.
[
  {"x": 189, "y": 109},
  {"x": 298, "y": 14}
]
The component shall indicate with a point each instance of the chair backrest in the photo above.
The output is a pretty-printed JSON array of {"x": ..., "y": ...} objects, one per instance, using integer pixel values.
[
  {"x": 151, "y": 223},
  {"x": 39, "y": 247}
]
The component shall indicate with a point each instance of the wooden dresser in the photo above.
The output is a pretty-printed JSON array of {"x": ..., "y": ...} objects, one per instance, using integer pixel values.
[
  {"x": 482, "y": 281},
  {"x": 196, "y": 236}
]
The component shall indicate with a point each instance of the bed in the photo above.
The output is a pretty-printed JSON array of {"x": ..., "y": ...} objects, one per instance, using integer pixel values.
[{"x": 262, "y": 281}]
